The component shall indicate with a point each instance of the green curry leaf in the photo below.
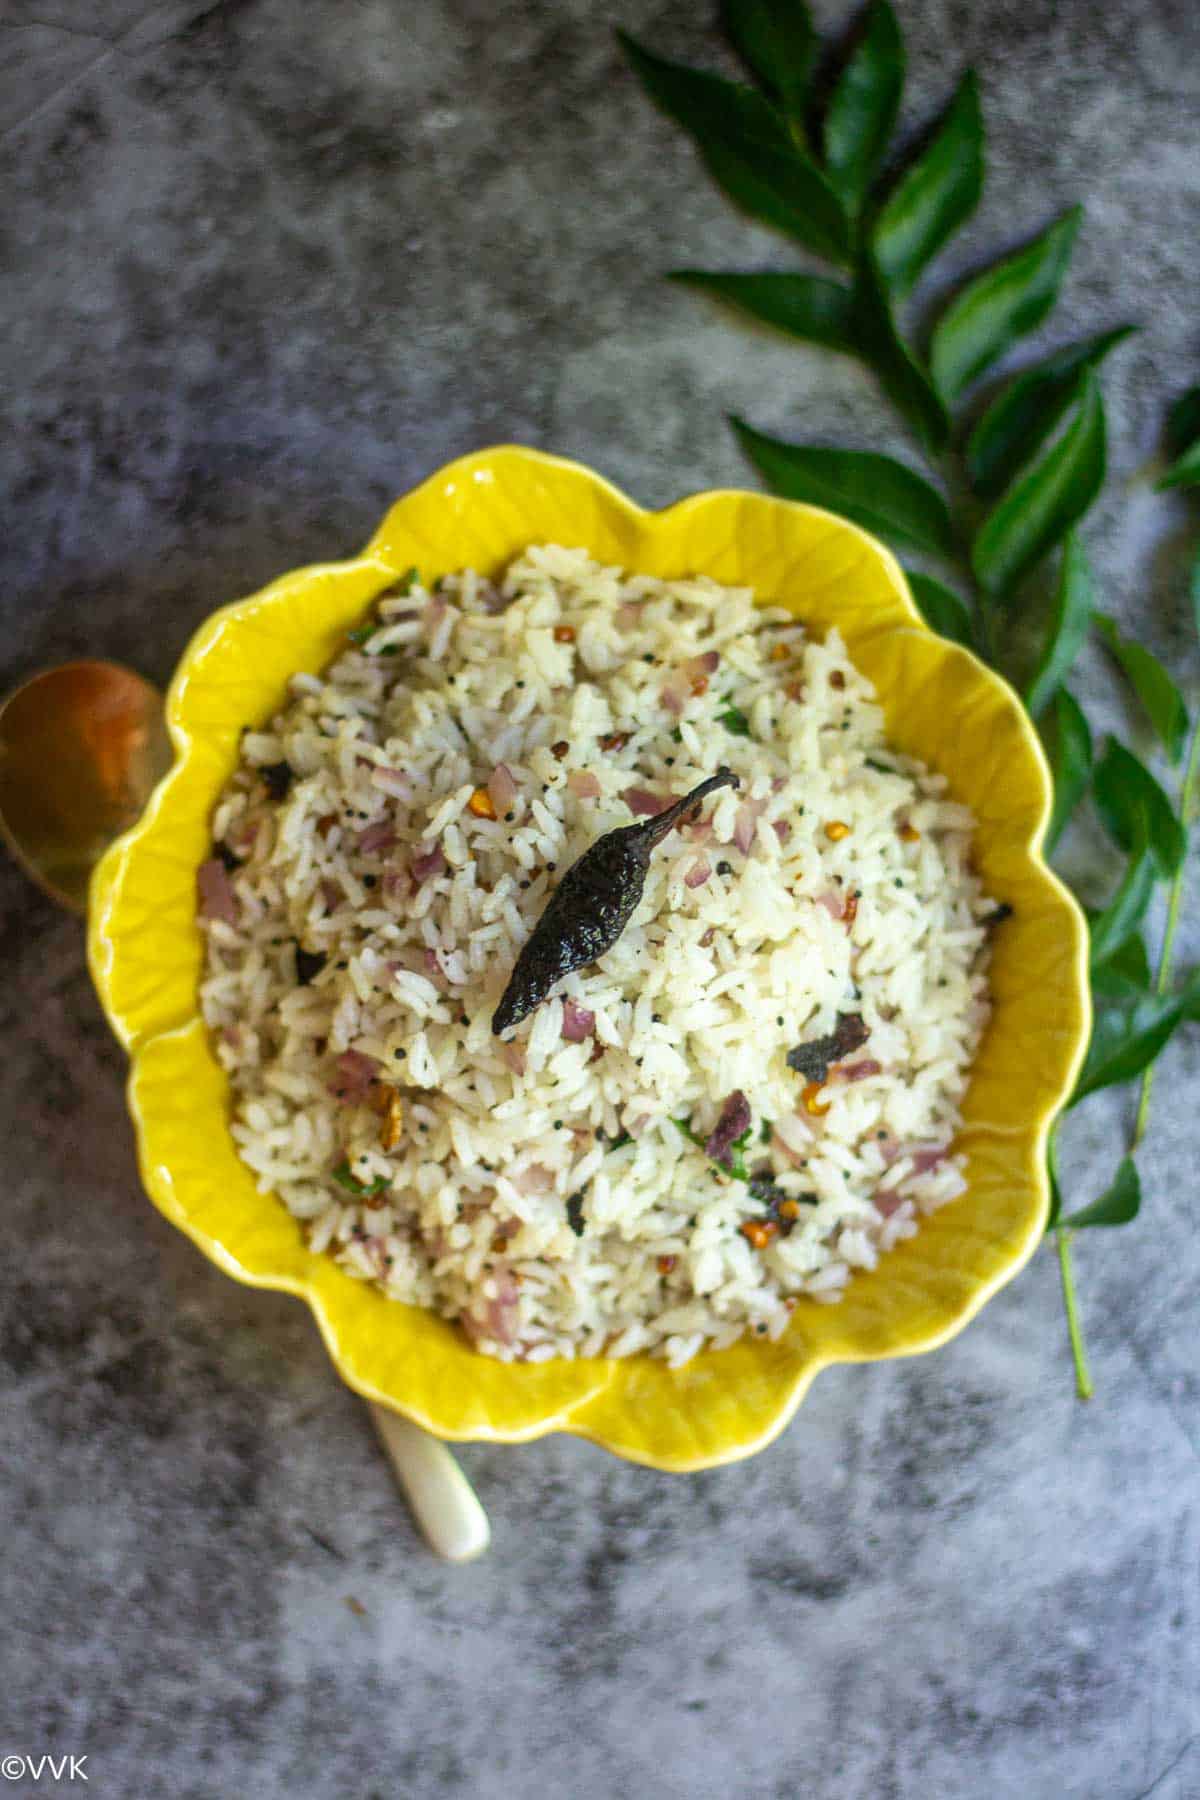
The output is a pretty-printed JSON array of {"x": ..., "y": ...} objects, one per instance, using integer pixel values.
[
  {"x": 1001, "y": 305},
  {"x": 1125, "y": 974},
  {"x": 883, "y": 495},
  {"x": 942, "y": 608},
  {"x": 1134, "y": 808},
  {"x": 1112, "y": 928},
  {"x": 1185, "y": 472},
  {"x": 1042, "y": 505},
  {"x": 902, "y": 378},
  {"x": 1028, "y": 407},
  {"x": 1069, "y": 748},
  {"x": 862, "y": 112},
  {"x": 776, "y": 40},
  {"x": 936, "y": 195},
  {"x": 1118, "y": 1206},
  {"x": 805, "y": 306},
  {"x": 1161, "y": 699},
  {"x": 1066, "y": 628},
  {"x": 1126, "y": 1038},
  {"x": 748, "y": 150}
]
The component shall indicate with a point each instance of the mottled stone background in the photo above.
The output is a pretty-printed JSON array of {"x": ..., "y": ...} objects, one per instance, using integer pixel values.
[{"x": 264, "y": 265}]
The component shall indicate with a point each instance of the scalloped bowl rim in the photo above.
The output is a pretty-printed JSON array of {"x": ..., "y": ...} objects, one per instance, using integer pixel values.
[{"x": 481, "y": 466}]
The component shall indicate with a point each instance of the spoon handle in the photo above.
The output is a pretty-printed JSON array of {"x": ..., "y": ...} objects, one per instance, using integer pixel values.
[{"x": 444, "y": 1503}]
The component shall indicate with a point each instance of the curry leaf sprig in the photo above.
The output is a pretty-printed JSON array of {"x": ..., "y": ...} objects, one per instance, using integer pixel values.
[{"x": 1023, "y": 460}]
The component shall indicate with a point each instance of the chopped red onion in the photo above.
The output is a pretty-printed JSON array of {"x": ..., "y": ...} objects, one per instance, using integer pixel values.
[
  {"x": 355, "y": 1073},
  {"x": 698, "y": 874},
  {"x": 502, "y": 789},
  {"x": 644, "y": 802},
  {"x": 536, "y": 1179},
  {"x": 428, "y": 862},
  {"x": 578, "y": 1023},
  {"x": 217, "y": 898},
  {"x": 744, "y": 823},
  {"x": 734, "y": 1120},
  {"x": 675, "y": 693},
  {"x": 503, "y": 1311},
  {"x": 379, "y": 836},
  {"x": 832, "y": 901},
  {"x": 392, "y": 781},
  {"x": 495, "y": 1319},
  {"x": 860, "y": 1070},
  {"x": 513, "y": 1057},
  {"x": 888, "y": 1201},
  {"x": 782, "y": 829},
  {"x": 926, "y": 1156},
  {"x": 706, "y": 663},
  {"x": 584, "y": 784},
  {"x": 490, "y": 598},
  {"x": 397, "y": 883}
]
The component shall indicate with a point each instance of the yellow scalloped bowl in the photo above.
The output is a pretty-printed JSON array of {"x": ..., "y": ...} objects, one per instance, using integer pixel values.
[{"x": 941, "y": 705}]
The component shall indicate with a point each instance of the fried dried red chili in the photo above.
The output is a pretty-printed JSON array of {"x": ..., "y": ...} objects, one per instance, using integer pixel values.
[{"x": 592, "y": 904}]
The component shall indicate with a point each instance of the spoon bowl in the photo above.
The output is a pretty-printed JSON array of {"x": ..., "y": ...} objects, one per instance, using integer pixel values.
[{"x": 81, "y": 749}]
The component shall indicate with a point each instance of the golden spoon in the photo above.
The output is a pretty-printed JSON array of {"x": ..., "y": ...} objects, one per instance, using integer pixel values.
[{"x": 81, "y": 749}]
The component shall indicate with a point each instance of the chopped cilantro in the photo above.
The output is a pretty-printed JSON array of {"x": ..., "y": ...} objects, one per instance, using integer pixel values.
[{"x": 360, "y": 1189}]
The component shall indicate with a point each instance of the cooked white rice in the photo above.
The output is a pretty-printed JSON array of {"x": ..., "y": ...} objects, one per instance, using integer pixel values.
[{"x": 701, "y": 997}]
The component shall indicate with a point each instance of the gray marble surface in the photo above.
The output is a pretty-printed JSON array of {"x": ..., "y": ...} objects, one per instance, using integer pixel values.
[{"x": 264, "y": 265}]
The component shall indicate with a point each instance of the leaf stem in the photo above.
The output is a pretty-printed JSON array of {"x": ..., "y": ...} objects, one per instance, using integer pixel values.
[
  {"x": 1083, "y": 1379},
  {"x": 1187, "y": 801}
]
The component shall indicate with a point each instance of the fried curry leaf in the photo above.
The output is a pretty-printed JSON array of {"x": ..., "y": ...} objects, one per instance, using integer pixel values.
[
  {"x": 309, "y": 964},
  {"x": 812, "y": 1059}
]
